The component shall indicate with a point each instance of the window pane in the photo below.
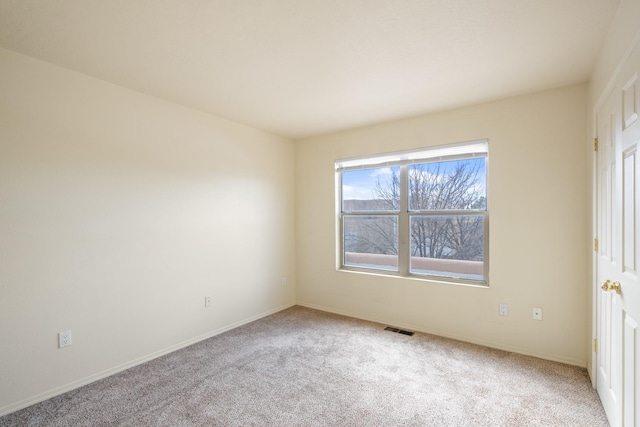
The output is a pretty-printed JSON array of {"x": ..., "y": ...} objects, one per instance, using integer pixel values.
[
  {"x": 448, "y": 246},
  {"x": 371, "y": 241},
  {"x": 458, "y": 184},
  {"x": 376, "y": 189}
]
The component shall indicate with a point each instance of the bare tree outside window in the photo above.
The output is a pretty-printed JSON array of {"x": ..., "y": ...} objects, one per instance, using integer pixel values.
[{"x": 440, "y": 187}]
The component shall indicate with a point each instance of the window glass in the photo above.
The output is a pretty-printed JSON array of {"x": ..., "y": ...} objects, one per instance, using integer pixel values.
[
  {"x": 376, "y": 189},
  {"x": 438, "y": 186},
  {"x": 371, "y": 241},
  {"x": 420, "y": 213},
  {"x": 448, "y": 245}
]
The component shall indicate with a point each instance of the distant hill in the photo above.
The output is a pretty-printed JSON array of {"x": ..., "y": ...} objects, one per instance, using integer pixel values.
[{"x": 367, "y": 205}]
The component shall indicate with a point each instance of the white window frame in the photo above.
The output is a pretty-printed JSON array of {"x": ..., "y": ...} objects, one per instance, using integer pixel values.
[{"x": 403, "y": 159}]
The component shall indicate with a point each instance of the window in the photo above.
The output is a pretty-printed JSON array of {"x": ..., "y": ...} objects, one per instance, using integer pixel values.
[{"x": 419, "y": 213}]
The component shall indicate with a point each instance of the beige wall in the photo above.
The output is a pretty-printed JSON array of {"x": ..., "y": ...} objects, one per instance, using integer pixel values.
[
  {"x": 538, "y": 194},
  {"x": 119, "y": 213},
  {"x": 623, "y": 34}
]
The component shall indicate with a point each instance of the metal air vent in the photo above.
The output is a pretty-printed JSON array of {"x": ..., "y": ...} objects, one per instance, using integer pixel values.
[{"x": 398, "y": 330}]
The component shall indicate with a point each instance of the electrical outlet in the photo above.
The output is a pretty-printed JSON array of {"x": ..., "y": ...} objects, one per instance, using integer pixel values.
[
  {"x": 504, "y": 310},
  {"x": 207, "y": 302},
  {"x": 64, "y": 339},
  {"x": 284, "y": 281},
  {"x": 537, "y": 313}
]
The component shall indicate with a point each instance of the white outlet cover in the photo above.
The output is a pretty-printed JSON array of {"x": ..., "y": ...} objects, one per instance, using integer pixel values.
[
  {"x": 504, "y": 309},
  {"x": 537, "y": 313},
  {"x": 64, "y": 339}
]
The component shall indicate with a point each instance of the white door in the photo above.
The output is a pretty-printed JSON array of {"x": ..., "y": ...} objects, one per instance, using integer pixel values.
[{"x": 618, "y": 257}]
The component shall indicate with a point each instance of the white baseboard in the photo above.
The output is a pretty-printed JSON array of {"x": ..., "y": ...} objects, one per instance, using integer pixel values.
[
  {"x": 472, "y": 340},
  {"x": 122, "y": 367}
]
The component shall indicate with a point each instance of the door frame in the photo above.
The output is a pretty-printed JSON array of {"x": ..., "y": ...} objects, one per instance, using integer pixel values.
[{"x": 595, "y": 313}]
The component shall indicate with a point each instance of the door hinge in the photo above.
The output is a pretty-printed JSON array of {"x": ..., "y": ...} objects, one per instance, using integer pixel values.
[
  {"x": 595, "y": 345},
  {"x": 595, "y": 245},
  {"x": 595, "y": 144}
]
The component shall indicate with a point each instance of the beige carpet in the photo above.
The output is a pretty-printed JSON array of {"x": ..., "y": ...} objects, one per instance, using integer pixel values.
[{"x": 303, "y": 367}]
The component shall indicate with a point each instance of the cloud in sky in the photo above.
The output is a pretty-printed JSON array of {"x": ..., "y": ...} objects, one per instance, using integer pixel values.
[
  {"x": 350, "y": 192},
  {"x": 360, "y": 184},
  {"x": 381, "y": 171}
]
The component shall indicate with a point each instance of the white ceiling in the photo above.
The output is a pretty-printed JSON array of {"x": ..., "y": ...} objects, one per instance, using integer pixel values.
[{"x": 299, "y": 68}]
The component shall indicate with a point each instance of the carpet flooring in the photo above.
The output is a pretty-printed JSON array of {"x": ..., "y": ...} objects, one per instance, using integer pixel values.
[{"x": 303, "y": 367}]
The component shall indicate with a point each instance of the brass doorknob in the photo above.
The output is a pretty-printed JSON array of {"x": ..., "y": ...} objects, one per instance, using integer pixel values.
[{"x": 610, "y": 285}]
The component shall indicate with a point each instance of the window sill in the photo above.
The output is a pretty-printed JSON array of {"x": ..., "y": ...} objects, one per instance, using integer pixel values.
[{"x": 413, "y": 277}]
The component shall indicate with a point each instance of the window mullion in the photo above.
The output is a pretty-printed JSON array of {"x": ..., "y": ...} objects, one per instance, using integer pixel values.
[{"x": 403, "y": 223}]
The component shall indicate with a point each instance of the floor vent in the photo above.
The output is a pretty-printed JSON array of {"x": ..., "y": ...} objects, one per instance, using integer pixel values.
[{"x": 400, "y": 331}]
